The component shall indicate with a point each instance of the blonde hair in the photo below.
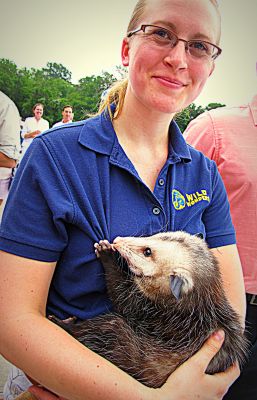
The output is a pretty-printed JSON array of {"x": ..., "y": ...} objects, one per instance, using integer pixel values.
[{"x": 116, "y": 93}]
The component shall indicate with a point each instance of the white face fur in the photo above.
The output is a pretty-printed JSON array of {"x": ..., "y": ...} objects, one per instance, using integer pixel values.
[{"x": 163, "y": 263}]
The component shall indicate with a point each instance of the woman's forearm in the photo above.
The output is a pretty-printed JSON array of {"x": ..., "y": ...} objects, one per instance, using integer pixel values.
[
  {"x": 45, "y": 351},
  {"x": 29, "y": 135},
  {"x": 232, "y": 276},
  {"x": 60, "y": 363}
]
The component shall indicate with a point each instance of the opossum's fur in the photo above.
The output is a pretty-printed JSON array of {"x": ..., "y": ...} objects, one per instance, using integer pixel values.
[{"x": 151, "y": 332}]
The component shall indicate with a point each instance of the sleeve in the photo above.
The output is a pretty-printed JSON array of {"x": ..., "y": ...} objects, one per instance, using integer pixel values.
[
  {"x": 39, "y": 208},
  {"x": 9, "y": 129},
  {"x": 25, "y": 128},
  {"x": 200, "y": 134},
  {"x": 217, "y": 218}
]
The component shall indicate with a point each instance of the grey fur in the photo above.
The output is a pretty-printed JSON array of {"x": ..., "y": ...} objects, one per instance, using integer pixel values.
[{"x": 150, "y": 333}]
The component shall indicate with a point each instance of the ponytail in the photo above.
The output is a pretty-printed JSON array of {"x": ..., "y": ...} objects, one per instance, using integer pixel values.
[{"x": 115, "y": 95}]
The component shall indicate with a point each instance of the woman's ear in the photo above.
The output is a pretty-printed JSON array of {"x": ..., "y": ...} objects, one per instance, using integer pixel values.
[{"x": 125, "y": 52}]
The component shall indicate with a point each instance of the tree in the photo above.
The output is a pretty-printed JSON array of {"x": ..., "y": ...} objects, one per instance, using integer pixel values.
[
  {"x": 54, "y": 70},
  {"x": 191, "y": 112},
  {"x": 89, "y": 90},
  {"x": 8, "y": 77},
  {"x": 212, "y": 106},
  {"x": 184, "y": 117}
]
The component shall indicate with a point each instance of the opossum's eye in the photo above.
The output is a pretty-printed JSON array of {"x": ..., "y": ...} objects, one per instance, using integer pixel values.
[{"x": 147, "y": 252}]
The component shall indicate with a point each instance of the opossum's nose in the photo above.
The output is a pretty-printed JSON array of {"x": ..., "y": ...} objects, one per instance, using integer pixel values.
[{"x": 118, "y": 240}]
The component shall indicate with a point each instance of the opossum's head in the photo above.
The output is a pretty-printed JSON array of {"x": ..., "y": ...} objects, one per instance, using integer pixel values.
[{"x": 170, "y": 263}]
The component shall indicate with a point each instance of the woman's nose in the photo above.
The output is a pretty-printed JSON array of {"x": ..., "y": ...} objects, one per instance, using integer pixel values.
[{"x": 177, "y": 56}]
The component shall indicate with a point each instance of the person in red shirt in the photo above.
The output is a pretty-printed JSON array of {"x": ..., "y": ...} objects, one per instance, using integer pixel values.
[{"x": 228, "y": 135}]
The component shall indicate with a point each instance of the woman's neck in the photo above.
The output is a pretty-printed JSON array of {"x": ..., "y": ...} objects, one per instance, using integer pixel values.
[
  {"x": 143, "y": 135},
  {"x": 140, "y": 125}
]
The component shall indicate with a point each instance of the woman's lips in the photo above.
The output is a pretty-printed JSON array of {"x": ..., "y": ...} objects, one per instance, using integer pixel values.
[{"x": 169, "y": 82}]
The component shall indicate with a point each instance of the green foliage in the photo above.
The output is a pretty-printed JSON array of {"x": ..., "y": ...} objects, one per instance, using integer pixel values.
[
  {"x": 89, "y": 92},
  {"x": 8, "y": 77},
  {"x": 211, "y": 106},
  {"x": 54, "y": 70},
  {"x": 191, "y": 112},
  {"x": 52, "y": 86}
]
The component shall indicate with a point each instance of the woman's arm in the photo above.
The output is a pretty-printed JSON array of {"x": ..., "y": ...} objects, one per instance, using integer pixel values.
[
  {"x": 232, "y": 276},
  {"x": 60, "y": 363},
  {"x": 43, "y": 350},
  {"x": 32, "y": 134},
  {"x": 6, "y": 161}
]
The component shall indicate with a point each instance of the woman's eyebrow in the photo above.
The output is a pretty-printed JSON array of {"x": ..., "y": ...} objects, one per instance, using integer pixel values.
[{"x": 171, "y": 26}]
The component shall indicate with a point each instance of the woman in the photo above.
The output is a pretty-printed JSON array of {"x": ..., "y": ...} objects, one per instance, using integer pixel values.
[
  {"x": 33, "y": 126},
  {"x": 131, "y": 174}
]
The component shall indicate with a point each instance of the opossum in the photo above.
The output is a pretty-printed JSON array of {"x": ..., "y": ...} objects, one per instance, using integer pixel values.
[{"x": 168, "y": 298}]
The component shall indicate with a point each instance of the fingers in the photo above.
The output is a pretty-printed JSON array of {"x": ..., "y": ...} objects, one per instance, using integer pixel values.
[
  {"x": 209, "y": 387},
  {"x": 26, "y": 396},
  {"x": 209, "y": 349},
  {"x": 41, "y": 393}
]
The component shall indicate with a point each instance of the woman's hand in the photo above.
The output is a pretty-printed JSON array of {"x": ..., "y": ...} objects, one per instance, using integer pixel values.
[
  {"x": 189, "y": 381},
  {"x": 43, "y": 394}
]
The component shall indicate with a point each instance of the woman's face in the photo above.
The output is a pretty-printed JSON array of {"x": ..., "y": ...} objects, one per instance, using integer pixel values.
[
  {"x": 38, "y": 112},
  {"x": 169, "y": 79}
]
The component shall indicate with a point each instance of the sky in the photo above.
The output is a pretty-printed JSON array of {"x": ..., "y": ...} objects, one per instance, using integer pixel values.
[{"x": 85, "y": 36}]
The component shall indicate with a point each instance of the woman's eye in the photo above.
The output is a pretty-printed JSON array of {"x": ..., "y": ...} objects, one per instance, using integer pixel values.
[
  {"x": 147, "y": 252},
  {"x": 161, "y": 33},
  {"x": 199, "y": 46}
]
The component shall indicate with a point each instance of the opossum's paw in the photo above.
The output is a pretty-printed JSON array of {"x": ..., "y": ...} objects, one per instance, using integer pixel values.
[
  {"x": 69, "y": 320},
  {"x": 63, "y": 323},
  {"x": 103, "y": 248}
]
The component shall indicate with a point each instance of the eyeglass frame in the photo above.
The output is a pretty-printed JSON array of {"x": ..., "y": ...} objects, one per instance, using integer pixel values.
[{"x": 142, "y": 28}]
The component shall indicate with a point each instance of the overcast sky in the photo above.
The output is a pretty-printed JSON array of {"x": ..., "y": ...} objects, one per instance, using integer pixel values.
[{"x": 85, "y": 36}]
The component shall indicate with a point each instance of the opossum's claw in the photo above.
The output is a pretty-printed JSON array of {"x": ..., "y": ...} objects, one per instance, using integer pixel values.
[
  {"x": 176, "y": 285},
  {"x": 104, "y": 246}
]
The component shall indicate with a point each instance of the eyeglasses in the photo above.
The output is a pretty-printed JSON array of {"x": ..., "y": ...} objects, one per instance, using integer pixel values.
[{"x": 163, "y": 38}]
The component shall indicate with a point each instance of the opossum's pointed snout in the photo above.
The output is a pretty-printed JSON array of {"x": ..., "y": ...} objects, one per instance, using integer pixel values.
[
  {"x": 176, "y": 285},
  {"x": 117, "y": 243},
  {"x": 117, "y": 240}
]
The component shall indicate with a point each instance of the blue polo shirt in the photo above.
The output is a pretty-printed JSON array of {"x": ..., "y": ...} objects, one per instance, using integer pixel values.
[{"x": 75, "y": 186}]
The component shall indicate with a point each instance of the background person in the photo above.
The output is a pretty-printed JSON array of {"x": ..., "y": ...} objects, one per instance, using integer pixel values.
[
  {"x": 9, "y": 143},
  {"x": 33, "y": 126},
  {"x": 117, "y": 174},
  {"x": 67, "y": 116},
  {"x": 228, "y": 135}
]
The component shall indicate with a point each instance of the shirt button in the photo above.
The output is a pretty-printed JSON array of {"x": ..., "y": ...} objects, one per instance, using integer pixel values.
[
  {"x": 156, "y": 211},
  {"x": 161, "y": 182}
]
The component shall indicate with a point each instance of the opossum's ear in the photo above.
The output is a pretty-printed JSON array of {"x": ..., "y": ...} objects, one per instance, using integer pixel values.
[
  {"x": 200, "y": 235},
  {"x": 175, "y": 285}
]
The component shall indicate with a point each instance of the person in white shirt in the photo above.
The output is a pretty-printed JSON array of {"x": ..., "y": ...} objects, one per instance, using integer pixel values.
[
  {"x": 9, "y": 142},
  {"x": 67, "y": 116},
  {"x": 33, "y": 126}
]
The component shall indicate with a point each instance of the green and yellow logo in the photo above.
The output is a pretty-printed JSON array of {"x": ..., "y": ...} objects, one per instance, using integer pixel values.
[{"x": 179, "y": 201}]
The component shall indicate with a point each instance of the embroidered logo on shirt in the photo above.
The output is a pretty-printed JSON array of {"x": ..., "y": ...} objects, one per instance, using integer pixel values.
[{"x": 179, "y": 201}]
